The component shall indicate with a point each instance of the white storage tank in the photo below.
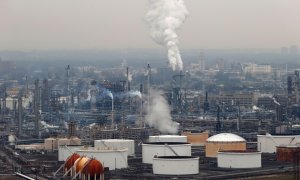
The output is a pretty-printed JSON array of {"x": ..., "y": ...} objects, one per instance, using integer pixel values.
[
  {"x": 12, "y": 139},
  {"x": 66, "y": 151},
  {"x": 267, "y": 143},
  {"x": 116, "y": 144},
  {"x": 111, "y": 158},
  {"x": 151, "y": 149},
  {"x": 239, "y": 159},
  {"x": 168, "y": 138},
  {"x": 175, "y": 165}
]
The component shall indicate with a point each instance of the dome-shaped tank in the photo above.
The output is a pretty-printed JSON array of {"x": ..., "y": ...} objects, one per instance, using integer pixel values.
[
  {"x": 71, "y": 161},
  {"x": 94, "y": 168},
  {"x": 223, "y": 141},
  {"x": 79, "y": 164}
]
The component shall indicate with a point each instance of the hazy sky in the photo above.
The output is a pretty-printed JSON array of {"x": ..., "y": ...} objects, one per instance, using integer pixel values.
[{"x": 97, "y": 24}]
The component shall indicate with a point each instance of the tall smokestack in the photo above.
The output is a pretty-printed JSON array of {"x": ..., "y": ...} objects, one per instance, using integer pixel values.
[
  {"x": 20, "y": 116},
  {"x": 4, "y": 101},
  {"x": 112, "y": 113},
  {"x": 26, "y": 87},
  {"x": 127, "y": 78},
  {"x": 15, "y": 109},
  {"x": 218, "y": 126},
  {"x": 67, "y": 88},
  {"x": 239, "y": 118},
  {"x": 36, "y": 107},
  {"x": 206, "y": 103}
]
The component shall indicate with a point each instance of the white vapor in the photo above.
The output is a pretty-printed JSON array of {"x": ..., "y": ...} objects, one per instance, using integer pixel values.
[
  {"x": 165, "y": 17},
  {"x": 135, "y": 93},
  {"x": 159, "y": 114},
  {"x": 110, "y": 95}
]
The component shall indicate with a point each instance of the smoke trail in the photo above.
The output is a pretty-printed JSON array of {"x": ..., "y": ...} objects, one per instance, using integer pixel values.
[
  {"x": 135, "y": 93},
  {"x": 159, "y": 114},
  {"x": 110, "y": 95},
  {"x": 165, "y": 17}
]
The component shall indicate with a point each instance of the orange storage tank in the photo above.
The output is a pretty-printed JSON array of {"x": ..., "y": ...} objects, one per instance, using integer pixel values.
[
  {"x": 80, "y": 163},
  {"x": 71, "y": 161},
  {"x": 196, "y": 138},
  {"x": 94, "y": 169},
  {"x": 287, "y": 153}
]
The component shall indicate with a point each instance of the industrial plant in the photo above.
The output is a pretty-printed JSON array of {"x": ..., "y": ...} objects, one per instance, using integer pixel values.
[
  {"x": 126, "y": 122},
  {"x": 150, "y": 114}
]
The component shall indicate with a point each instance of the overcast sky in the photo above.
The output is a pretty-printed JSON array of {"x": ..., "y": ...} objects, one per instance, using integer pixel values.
[{"x": 98, "y": 24}]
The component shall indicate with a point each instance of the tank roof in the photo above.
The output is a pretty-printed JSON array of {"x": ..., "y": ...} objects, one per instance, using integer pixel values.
[
  {"x": 225, "y": 137},
  {"x": 163, "y": 143},
  {"x": 176, "y": 157}
]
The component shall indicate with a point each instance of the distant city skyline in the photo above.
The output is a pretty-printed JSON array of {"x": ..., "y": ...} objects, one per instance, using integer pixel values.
[{"x": 115, "y": 24}]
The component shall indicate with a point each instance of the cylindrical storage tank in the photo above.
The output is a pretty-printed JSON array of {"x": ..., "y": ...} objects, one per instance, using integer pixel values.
[
  {"x": 75, "y": 141},
  {"x": 93, "y": 170},
  {"x": 12, "y": 139},
  {"x": 267, "y": 143},
  {"x": 175, "y": 165},
  {"x": 63, "y": 141},
  {"x": 50, "y": 144},
  {"x": 111, "y": 158},
  {"x": 116, "y": 144},
  {"x": 196, "y": 138},
  {"x": 239, "y": 159},
  {"x": 224, "y": 141},
  {"x": 66, "y": 151},
  {"x": 287, "y": 153},
  {"x": 149, "y": 150},
  {"x": 168, "y": 138}
]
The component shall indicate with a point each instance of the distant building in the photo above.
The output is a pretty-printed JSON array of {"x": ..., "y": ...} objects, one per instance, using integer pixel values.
[
  {"x": 284, "y": 50},
  {"x": 293, "y": 49},
  {"x": 256, "y": 69},
  {"x": 244, "y": 99},
  {"x": 293, "y": 87},
  {"x": 221, "y": 64},
  {"x": 202, "y": 62}
]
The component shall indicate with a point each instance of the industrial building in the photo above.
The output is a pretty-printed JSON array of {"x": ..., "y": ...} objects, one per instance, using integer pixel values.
[{"x": 90, "y": 122}]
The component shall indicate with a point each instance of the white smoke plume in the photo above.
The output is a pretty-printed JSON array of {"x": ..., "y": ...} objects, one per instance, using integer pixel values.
[
  {"x": 110, "y": 95},
  {"x": 159, "y": 114},
  {"x": 135, "y": 93},
  {"x": 165, "y": 17}
]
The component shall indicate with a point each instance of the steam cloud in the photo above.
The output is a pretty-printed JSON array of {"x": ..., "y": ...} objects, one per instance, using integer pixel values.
[
  {"x": 135, "y": 93},
  {"x": 159, "y": 114},
  {"x": 165, "y": 17}
]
